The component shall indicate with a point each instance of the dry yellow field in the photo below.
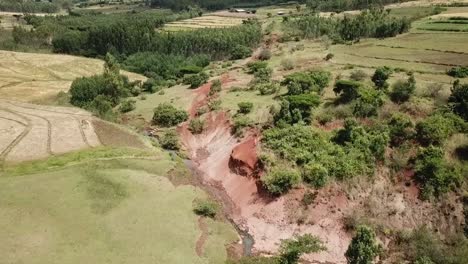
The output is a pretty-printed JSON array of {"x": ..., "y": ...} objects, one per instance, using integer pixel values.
[{"x": 32, "y": 77}]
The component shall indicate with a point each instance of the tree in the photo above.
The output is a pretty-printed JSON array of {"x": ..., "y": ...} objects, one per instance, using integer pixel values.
[
  {"x": 292, "y": 249},
  {"x": 401, "y": 129},
  {"x": 308, "y": 81},
  {"x": 432, "y": 172},
  {"x": 196, "y": 125},
  {"x": 368, "y": 102},
  {"x": 458, "y": 100},
  {"x": 245, "y": 107},
  {"x": 347, "y": 90},
  {"x": 363, "y": 248},
  {"x": 196, "y": 80},
  {"x": 240, "y": 52},
  {"x": 403, "y": 90},
  {"x": 381, "y": 76},
  {"x": 438, "y": 127},
  {"x": 279, "y": 181},
  {"x": 166, "y": 115},
  {"x": 205, "y": 208},
  {"x": 315, "y": 174},
  {"x": 170, "y": 140}
]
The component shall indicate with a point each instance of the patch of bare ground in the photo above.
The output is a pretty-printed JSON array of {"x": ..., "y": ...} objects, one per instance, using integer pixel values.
[
  {"x": 111, "y": 135},
  {"x": 203, "y": 236}
]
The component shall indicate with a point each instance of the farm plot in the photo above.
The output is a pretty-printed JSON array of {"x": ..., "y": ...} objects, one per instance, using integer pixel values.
[
  {"x": 31, "y": 77},
  {"x": 209, "y": 21},
  {"x": 32, "y": 132}
]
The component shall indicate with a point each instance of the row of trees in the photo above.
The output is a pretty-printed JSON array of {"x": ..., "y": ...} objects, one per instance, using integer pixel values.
[
  {"x": 31, "y": 6},
  {"x": 375, "y": 23},
  {"x": 215, "y": 4},
  {"x": 343, "y": 5}
]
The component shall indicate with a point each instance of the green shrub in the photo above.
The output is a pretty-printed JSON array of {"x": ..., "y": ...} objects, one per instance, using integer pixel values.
[
  {"x": 297, "y": 108},
  {"x": 263, "y": 75},
  {"x": 280, "y": 181},
  {"x": 127, "y": 106},
  {"x": 196, "y": 125},
  {"x": 240, "y": 52},
  {"x": 152, "y": 86},
  {"x": 368, "y": 102},
  {"x": 102, "y": 107},
  {"x": 381, "y": 76},
  {"x": 347, "y": 90},
  {"x": 255, "y": 66},
  {"x": 434, "y": 175},
  {"x": 403, "y": 90},
  {"x": 267, "y": 88},
  {"x": 195, "y": 80},
  {"x": 363, "y": 248},
  {"x": 245, "y": 107},
  {"x": 308, "y": 81},
  {"x": 329, "y": 56},
  {"x": 315, "y": 174},
  {"x": 166, "y": 115},
  {"x": 215, "y": 87},
  {"x": 358, "y": 75},
  {"x": 401, "y": 129},
  {"x": 292, "y": 249},
  {"x": 458, "y": 72},
  {"x": 239, "y": 124},
  {"x": 170, "y": 140},
  {"x": 214, "y": 105},
  {"x": 205, "y": 208},
  {"x": 438, "y": 127},
  {"x": 458, "y": 99},
  {"x": 265, "y": 54}
]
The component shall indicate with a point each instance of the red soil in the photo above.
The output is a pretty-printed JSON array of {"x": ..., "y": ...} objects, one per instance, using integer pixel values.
[
  {"x": 202, "y": 95},
  {"x": 244, "y": 160}
]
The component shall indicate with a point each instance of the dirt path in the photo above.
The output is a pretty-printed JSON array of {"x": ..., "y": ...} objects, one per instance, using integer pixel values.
[{"x": 199, "y": 246}]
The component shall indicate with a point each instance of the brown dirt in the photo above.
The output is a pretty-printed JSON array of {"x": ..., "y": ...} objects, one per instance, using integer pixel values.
[
  {"x": 244, "y": 159},
  {"x": 111, "y": 135},
  {"x": 203, "y": 236}
]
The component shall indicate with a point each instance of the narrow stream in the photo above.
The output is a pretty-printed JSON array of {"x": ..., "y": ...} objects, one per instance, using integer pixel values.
[{"x": 246, "y": 238}]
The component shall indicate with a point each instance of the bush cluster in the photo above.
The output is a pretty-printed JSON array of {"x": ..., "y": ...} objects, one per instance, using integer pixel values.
[
  {"x": 305, "y": 82},
  {"x": 166, "y": 115}
]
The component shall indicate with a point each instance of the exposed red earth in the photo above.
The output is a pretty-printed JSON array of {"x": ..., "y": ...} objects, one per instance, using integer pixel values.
[{"x": 230, "y": 164}]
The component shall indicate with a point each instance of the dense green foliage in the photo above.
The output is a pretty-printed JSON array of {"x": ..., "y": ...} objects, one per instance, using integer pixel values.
[
  {"x": 352, "y": 151},
  {"x": 196, "y": 125},
  {"x": 212, "y": 4},
  {"x": 363, "y": 248},
  {"x": 308, "y": 81},
  {"x": 438, "y": 127},
  {"x": 205, "y": 208},
  {"x": 401, "y": 129},
  {"x": 458, "y": 72},
  {"x": 195, "y": 80},
  {"x": 166, "y": 66},
  {"x": 403, "y": 90},
  {"x": 347, "y": 90},
  {"x": 435, "y": 176},
  {"x": 368, "y": 102},
  {"x": 315, "y": 174},
  {"x": 245, "y": 107},
  {"x": 458, "y": 99},
  {"x": 297, "y": 108},
  {"x": 170, "y": 140},
  {"x": 99, "y": 93},
  {"x": 279, "y": 181},
  {"x": 375, "y": 23},
  {"x": 127, "y": 105},
  {"x": 167, "y": 115},
  {"x": 30, "y": 6},
  {"x": 343, "y": 5},
  {"x": 381, "y": 76}
]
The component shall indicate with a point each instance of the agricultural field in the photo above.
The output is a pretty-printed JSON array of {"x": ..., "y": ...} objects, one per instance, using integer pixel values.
[
  {"x": 31, "y": 132},
  {"x": 105, "y": 206},
  {"x": 30, "y": 77},
  {"x": 206, "y": 21}
]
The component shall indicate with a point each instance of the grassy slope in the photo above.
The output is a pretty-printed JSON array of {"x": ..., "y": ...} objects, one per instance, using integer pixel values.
[{"x": 115, "y": 211}]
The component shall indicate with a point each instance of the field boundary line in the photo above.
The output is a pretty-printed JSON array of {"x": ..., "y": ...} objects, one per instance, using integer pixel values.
[{"x": 402, "y": 60}]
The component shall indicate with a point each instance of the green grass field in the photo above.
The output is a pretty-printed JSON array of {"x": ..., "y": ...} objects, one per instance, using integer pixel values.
[{"x": 90, "y": 210}]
